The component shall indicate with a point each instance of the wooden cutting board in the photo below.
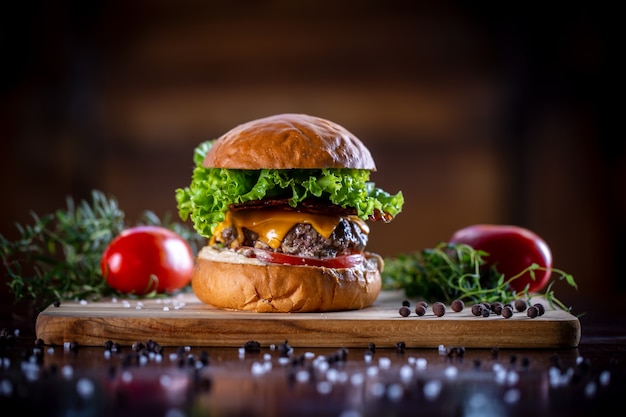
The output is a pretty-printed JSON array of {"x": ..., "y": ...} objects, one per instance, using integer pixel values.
[{"x": 183, "y": 320}]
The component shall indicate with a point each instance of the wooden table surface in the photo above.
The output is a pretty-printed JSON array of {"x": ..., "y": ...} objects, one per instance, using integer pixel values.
[
  {"x": 185, "y": 320},
  {"x": 286, "y": 379}
]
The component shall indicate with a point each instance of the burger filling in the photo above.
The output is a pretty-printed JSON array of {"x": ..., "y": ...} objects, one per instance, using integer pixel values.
[{"x": 292, "y": 232}]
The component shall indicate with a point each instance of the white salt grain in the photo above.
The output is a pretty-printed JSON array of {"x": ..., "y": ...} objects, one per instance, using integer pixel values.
[
  {"x": 395, "y": 392},
  {"x": 357, "y": 379},
  {"x": 605, "y": 378},
  {"x": 590, "y": 389},
  {"x": 127, "y": 376},
  {"x": 432, "y": 389},
  {"x": 372, "y": 371},
  {"x": 451, "y": 372},
  {"x": 6, "y": 388},
  {"x": 67, "y": 371},
  {"x": 324, "y": 387},
  {"x": 302, "y": 376},
  {"x": 377, "y": 389},
  {"x": 406, "y": 373},
  {"x": 85, "y": 387},
  {"x": 512, "y": 396}
]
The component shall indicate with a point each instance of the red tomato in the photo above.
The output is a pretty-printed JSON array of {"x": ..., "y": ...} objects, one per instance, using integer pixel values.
[
  {"x": 511, "y": 249},
  {"x": 345, "y": 261},
  {"x": 147, "y": 258}
]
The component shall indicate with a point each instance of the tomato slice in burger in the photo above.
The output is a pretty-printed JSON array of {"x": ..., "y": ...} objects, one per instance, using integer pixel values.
[{"x": 344, "y": 261}]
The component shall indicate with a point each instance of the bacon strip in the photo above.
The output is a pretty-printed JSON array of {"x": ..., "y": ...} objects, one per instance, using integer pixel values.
[{"x": 310, "y": 205}]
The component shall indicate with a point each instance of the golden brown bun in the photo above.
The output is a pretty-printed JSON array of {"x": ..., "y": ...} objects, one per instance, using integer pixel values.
[
  {"x": 231, "y": 281},
  {"x": 287, "y": 141}
]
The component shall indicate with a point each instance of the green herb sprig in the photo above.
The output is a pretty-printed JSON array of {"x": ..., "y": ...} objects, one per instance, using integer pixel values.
[
  {"x": 58, "y": 256},
  {"x": 457, "y": 271}
]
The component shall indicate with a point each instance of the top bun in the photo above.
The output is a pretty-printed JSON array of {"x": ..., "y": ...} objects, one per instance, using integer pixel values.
[{"x": 287, "y": 141}]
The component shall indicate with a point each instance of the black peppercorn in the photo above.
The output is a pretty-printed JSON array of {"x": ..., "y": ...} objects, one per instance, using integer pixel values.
[
  {"x": 540, "y": 308},
  {"x": 496, "y": 307},
  {"x": 252, "y": 346},
  {"x": 204, "y": 357},
  {"x": 507, "y": 312},
  {"x": 404, "y": 311},
  {"x": 457, "y": 305},
  {"x": 439, "y": 309},
  {"x": 477, "y": 309},
  {"x": 486, "y": 312},
  {"x": 406, "y": 303},
  {"x": 137, "y": 346},
  {"x": 532, "y": 312},
  {"x": 285, "y": 349},
  {"x": 495, "y": 351},
  {"x": 520, "y": 305},
  {"x": 420, "y": 310}
]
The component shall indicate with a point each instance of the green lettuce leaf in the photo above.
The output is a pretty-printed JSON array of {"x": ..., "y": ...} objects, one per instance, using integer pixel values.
[{"x": 212, "y": 190}]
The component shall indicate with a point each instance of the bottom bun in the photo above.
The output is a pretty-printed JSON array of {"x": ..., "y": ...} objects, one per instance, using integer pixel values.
[{"x": 227, "y": 280}]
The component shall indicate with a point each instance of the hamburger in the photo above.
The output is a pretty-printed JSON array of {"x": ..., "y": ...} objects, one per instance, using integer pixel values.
[{"x": 284, "y": 202}]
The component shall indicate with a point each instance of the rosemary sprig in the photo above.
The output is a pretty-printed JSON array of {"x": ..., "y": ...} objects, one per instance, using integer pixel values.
[
  {"x": 457, "y": 271},
  {"x": 58, "y": 256}
]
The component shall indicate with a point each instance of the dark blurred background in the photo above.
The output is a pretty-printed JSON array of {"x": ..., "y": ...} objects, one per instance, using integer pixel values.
[{"x": 479, "y": 113}]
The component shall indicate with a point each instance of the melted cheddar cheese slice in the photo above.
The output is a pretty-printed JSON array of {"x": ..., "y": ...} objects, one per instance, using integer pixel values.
[{"x": 273, "y": 224}]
